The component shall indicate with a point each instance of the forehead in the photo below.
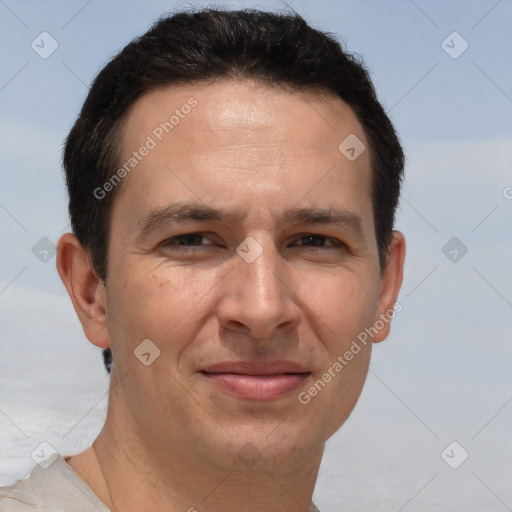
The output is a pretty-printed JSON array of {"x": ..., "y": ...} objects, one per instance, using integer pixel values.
[
  {"x": 238, "y": 108},
  {"x": 230, "y": 140}
]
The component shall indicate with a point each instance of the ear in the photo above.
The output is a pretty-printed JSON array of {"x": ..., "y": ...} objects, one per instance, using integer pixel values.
[
  {"x": 85, "y": 288},
  {"x": 391, "y": 282}
]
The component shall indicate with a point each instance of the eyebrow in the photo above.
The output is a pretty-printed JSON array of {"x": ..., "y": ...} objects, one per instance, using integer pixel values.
[{"x": 184, "y": 211}]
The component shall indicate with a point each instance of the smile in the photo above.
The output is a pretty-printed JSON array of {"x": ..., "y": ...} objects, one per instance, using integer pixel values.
[{"x": 257, "y": 387}]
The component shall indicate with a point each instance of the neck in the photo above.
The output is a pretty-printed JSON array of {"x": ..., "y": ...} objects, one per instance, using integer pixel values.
[{"x": 137, "y": 476}]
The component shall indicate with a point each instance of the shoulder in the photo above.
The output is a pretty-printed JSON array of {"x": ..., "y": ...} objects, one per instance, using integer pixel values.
[
  {"x": 20, "y": 496},
  {"x": 52, "y": 485}
]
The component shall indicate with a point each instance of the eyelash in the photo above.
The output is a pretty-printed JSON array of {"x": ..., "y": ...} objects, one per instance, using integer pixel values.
[{"x": 186, "y": 247}]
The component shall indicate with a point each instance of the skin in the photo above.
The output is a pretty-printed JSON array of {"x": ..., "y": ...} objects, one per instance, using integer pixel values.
[{"x": 171, "y": 436}]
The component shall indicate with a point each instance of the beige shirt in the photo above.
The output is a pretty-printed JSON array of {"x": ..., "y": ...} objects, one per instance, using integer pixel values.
[{"x": 54, "y": 489}]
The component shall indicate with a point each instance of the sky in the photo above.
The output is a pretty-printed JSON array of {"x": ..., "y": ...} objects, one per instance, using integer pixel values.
[{"x": 443, "y": 72}]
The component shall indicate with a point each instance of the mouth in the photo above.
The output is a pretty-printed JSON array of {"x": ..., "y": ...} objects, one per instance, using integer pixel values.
[{"x": 255, "y": 381}]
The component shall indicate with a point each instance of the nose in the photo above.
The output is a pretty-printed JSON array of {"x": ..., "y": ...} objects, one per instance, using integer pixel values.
[{"x": 257, "y": 297}]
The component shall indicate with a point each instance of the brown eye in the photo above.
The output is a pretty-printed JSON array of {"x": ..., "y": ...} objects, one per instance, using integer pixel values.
[
  {"x": 312, "y": 240},
  {"x": 188, "y": 239}
]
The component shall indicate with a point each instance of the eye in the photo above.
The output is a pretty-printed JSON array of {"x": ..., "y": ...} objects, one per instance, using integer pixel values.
[
  {"x": 312, "y": 240},
  {"x": 186, "y": 240}
]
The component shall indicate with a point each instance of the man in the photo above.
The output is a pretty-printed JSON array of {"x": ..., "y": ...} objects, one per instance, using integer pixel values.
[{"x": 233, "y": 183}]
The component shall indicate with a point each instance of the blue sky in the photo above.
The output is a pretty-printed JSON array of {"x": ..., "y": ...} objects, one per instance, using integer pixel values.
[{"x": 443, "y": 374}]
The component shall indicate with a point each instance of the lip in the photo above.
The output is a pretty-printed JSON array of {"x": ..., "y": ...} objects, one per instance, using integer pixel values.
[
  {"x": 255, "y": 381},
  {"x": 248, "y": 368}
]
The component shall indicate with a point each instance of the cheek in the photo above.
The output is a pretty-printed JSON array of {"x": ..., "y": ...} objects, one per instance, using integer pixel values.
[
  {"x": 340, "y": 306},
  {"x": 341, "y": 309},
  {"x": 161, "y": 304}
]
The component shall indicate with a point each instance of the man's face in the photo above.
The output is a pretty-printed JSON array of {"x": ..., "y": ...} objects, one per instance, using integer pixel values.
[{"x": 266, "y": 159}]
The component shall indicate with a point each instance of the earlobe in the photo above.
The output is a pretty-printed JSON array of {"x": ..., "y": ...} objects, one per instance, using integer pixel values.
[
  {"x": 86, "y": 290},
  {"x": 391, "y": 283}
]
